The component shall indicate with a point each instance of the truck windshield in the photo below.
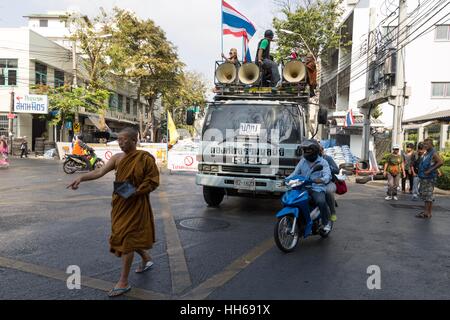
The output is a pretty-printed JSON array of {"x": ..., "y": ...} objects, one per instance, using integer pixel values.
[{"x": 255, "y": 120}]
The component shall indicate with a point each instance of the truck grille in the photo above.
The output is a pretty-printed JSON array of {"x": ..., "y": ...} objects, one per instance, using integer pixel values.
[{"x": 241, "y": 169}]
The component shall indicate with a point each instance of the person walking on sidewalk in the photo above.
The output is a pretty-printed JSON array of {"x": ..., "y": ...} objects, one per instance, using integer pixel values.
[
  {"x": 133, "y": 228},
  {"x": 24, "y": 148},
  {"x": 393, "y": 168},
  {"x": 428, "y": 174}
]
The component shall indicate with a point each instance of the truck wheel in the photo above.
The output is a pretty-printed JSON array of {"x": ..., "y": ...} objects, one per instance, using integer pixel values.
[{"x": 213, "y": 196}]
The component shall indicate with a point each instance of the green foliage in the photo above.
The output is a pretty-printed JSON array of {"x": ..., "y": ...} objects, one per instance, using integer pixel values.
[
  {"x": 94, "y": 40},
  {"x": 443, "y": 182},
  {"x": 190, "y": 92},
  {"x": 141, "y": 52},
  {"x": 318, "y": 25},
  {"x": 66, "y": 100}
]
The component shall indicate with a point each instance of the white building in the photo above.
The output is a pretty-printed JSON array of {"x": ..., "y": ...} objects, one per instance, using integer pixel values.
[
  {"x": 28, "y": 57},
  {"x": 427, "y": 66}
]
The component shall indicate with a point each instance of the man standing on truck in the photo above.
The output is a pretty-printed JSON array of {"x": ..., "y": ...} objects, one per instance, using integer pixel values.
[
  {"x": 263, "y": 58},
  {"x": 311, "y": 158}
]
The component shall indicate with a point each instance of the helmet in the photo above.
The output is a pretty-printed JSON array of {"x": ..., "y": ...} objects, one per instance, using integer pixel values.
[
  {"x": 80, "y": 137},
  {"x": 268, "y": 34},
  {"x": 311, "y": 149},
  {"x": 310, "y": 144}
]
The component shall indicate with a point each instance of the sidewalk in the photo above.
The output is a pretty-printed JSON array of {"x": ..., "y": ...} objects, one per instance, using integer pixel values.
[{"x": 384, "y": 182}]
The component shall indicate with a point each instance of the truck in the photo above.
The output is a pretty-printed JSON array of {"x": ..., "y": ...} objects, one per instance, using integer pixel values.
[{"x": 251, "y": 134}]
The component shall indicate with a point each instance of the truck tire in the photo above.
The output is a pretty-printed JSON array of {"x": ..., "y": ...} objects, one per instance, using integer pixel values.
[{"x": 213, "y": 196}]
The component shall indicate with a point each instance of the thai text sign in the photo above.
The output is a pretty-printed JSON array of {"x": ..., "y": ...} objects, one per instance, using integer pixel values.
[{"x": 31, "y": 103}]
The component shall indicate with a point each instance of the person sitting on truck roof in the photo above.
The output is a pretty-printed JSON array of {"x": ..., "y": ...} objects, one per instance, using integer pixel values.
[
  {"x": 263, "y": 57},
  {"x": 311, "y": 158},
  {"x": 233, "y": 57}
]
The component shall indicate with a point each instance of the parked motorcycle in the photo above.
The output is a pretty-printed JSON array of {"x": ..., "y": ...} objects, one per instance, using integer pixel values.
[
  {"x": 74, "y": 163},
  {"x": 296, "y": 219}
]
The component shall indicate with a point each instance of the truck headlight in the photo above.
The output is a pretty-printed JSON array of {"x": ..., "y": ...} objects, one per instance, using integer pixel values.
[
  {"x": 206, "y": 168},
  {"x": 214, "y": 168}
]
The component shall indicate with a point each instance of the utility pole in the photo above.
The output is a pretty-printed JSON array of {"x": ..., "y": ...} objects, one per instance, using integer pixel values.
[
  {"x": 74, "y": 70},
  {"x": 10, "y": 123},
  {"x": 397, "y": 132},
  {"x": 367, "y": 108}
]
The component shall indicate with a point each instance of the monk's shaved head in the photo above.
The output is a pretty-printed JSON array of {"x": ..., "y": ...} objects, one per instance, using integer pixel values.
[{"x": 130, "y": 132}]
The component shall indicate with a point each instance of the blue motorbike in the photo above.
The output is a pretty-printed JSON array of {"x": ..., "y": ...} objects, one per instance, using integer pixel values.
[{"x": 296, "y": 219}]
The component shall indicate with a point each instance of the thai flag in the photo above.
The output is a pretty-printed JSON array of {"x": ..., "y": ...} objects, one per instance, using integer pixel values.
[
  {"x": 236, "y": 24},
  {"x": 349, "y": 119}
]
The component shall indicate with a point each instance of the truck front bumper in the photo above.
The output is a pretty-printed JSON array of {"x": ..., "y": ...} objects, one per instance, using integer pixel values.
[{"x": 261, "y": 184}]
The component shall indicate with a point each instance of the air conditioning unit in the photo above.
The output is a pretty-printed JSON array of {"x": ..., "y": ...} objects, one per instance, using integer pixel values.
[{"x": 82, "y": 109}]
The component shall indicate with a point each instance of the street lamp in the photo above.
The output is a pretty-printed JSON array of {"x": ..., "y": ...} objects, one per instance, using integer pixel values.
[{"x": 298, "y": 34}]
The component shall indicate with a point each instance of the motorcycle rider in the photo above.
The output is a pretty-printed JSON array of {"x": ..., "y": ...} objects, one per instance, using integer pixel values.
[
  {"x": 331, "y": 186},
  {"x": 311, "y": 158},
  {"x": 82, "y": 150}
]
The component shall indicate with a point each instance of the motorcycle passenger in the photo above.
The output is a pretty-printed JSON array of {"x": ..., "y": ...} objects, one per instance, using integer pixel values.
[
  {"x": 311, "y": 158},
  {"x": 82, "y": 150},
  {"x": 331, "y": 186}
]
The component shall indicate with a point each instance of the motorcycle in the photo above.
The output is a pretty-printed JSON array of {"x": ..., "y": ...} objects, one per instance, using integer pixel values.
[
  {"x": 296, "y": 219},
  {"x": 73, "y": 163}
]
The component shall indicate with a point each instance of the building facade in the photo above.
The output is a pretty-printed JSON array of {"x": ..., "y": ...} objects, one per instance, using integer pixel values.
[
  {"x": 41, "y": 54},
  {"x": 427, "y": 67}
]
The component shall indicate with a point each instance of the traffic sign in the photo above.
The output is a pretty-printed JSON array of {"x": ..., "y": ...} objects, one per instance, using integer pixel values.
[{"x": 76, "y": 127}]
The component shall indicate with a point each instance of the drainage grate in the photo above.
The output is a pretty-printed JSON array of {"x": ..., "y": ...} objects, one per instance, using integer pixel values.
[
  {"x": 203, "y": 224},
  {"x": 414, "y": 207}
]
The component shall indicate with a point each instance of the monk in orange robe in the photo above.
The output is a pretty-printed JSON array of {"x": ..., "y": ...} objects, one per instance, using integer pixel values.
[{"x": 133, "y": 228}]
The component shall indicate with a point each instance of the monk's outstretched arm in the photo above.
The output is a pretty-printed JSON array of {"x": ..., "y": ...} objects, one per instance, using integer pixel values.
[{"x": 151, "y": 179}]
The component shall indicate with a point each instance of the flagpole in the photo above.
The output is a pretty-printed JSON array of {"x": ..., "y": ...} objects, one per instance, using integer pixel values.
[{"x": 221, "y": 27}]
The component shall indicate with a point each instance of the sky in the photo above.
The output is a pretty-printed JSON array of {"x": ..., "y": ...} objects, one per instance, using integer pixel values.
[{"x": 193, "y": 26}]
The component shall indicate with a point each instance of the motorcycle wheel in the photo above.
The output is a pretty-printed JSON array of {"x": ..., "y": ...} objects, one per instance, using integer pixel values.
[
  {"x": 70, "y": 166},
  {"x": 284, "y": 240},
  {"x": 98, "y": 164}
]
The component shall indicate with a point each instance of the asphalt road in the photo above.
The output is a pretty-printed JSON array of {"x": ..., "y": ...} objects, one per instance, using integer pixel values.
[{"x": 213, "y": 253}]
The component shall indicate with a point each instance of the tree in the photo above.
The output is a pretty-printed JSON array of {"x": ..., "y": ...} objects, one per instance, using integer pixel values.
[
  {"x": 190, "y": 92},
  {"x": 94, "y": 39},
  {"x": 317, "y": 23},
  {"x": 141, "y": 53},
  {"x": 65, "y": 101}
]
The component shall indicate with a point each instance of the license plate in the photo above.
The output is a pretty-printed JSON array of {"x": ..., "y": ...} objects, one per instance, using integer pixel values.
[{"x": 248, "y": 184}]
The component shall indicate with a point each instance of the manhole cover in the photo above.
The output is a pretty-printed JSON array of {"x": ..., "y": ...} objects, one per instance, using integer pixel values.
[{"x": 203, "y": 224}]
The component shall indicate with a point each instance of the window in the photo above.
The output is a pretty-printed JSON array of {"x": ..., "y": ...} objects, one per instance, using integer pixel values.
[
  {"x": 59, "y": 78},
  {"x": 440, "y": 89},
  {"x": 43, "y": 23},
  {"x": 120, "y": 103},
  {"x": 113, "y": 101},
  {"x": 3, "y": 126},
  {"x": 128, "y": 110},
  {"x": 135, "y": 107},
  {"x": 442, "y": 32},
  {"x": 8, "y": 72},
  {"x": 41, "y": 73}
]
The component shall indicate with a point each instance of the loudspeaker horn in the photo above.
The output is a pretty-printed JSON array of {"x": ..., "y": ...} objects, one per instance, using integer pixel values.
[
  {"x": 226, "y": 73},
  {"x": 294, "y": 71},
  {"x": 248, "y": 73}
]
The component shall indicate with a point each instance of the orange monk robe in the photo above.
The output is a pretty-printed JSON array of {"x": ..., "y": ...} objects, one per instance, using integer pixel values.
[
  {"x": 132, "y": 219},
  {"x": 312, "y": 73}
]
